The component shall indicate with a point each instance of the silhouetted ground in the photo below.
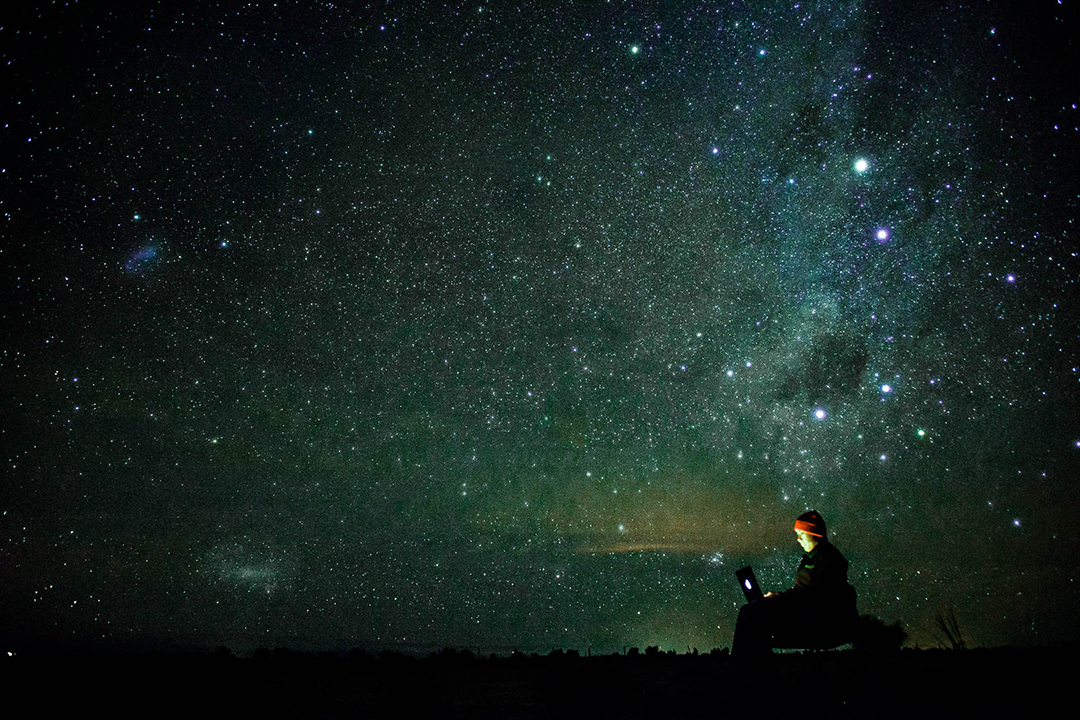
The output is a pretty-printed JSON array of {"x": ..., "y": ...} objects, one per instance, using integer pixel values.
[{"x": 992, "y": 683}]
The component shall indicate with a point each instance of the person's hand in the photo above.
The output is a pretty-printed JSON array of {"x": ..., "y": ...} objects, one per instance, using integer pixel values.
[{"x": 772, "y": 594}]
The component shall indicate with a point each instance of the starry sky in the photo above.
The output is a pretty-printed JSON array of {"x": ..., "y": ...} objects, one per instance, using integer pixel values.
[{"x": 524, "y": 325}]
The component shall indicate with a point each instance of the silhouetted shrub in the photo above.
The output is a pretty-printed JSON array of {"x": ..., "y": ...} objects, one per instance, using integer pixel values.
[
  {"x": 950, "y": 630},
  {"x": 360, "y": 655},
  {"x": 452, "y": 655},
  {"x": 873, "y": 635},
  {"x": 284, "y": 654}
]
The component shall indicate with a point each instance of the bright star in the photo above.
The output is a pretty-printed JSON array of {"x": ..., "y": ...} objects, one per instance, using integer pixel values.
[{"x": 861, "y": 165}]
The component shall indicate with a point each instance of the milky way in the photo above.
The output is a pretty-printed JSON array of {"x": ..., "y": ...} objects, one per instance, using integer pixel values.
[{"x": 504, "y": 327}]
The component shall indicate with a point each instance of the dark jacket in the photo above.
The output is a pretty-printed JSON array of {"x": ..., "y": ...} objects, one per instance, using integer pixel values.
[
  {"x": 823, "y": 569},
  {"x": 821, "y": 581}
]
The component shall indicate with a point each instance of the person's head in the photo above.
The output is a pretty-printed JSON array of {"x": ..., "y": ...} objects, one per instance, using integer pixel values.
[{"x": 810, "y": 530}]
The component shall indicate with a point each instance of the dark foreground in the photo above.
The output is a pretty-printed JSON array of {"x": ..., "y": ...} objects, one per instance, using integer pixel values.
[{"x": 993, "y": 683}]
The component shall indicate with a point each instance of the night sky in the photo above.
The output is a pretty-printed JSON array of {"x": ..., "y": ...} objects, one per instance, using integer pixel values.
[{"x": 411, "y": 325}]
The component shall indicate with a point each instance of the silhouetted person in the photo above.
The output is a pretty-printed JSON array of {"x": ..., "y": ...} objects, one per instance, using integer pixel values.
[{"x": 818, "y": 612}]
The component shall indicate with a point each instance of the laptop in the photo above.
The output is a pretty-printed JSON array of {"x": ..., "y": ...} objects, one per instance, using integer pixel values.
[{"x": 749, "y": 584}]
